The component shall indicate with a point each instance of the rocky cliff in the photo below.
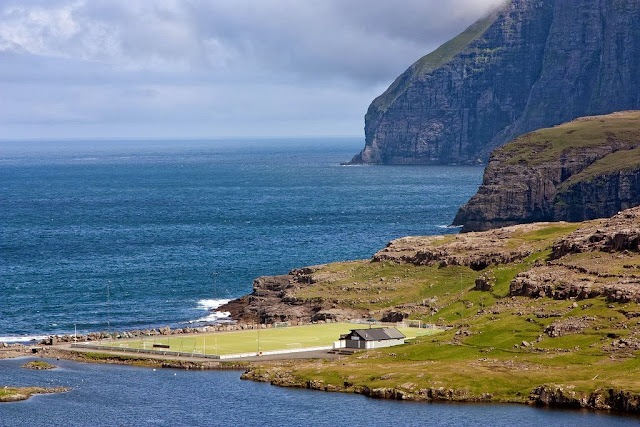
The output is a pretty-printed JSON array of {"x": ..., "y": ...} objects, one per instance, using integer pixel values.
[
  {"x": 530, "y": 65},
  {"x": 585, "y": 169}
]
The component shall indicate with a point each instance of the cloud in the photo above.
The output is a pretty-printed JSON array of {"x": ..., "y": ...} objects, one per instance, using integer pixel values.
[{"x": 143, "y": 58}]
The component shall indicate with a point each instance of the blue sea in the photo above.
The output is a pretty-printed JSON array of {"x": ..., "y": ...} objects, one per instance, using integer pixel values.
[{"x": 128, "y": 234}]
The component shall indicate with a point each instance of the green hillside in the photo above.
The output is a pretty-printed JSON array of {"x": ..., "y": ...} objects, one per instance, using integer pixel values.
[{"x": 581, "y": 339}]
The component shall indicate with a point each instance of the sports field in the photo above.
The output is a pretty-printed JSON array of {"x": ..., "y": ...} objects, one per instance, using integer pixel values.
[{"x": 224, "y": 343}]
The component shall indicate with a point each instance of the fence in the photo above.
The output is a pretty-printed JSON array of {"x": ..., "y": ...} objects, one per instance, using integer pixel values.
[{"x": 200, "y": 355}]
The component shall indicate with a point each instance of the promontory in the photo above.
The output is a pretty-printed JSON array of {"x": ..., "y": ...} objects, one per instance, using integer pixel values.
[
  {"x": 531, "y": 64},
  {"x": 586, "y": 169}
]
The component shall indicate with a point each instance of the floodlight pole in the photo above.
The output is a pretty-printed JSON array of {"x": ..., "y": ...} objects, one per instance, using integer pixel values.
[
  {"x": 108, "y": 309},
  {"x": 461, "y": 300},
  {"x": 259, "y": 325}
]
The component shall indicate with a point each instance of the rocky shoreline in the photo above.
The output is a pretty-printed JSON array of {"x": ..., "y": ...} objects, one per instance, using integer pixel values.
[
  {"x": 17, "y": 394},
  {"x": 552, "y": 396}
]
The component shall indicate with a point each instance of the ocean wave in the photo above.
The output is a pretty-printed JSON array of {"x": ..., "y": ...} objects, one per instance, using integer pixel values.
[
  {"x": 449, "y": 226},
  {"x": 216, "y": 316},
  {"x": 23, "y": 338},
  {"x": 211, "y": 304}
]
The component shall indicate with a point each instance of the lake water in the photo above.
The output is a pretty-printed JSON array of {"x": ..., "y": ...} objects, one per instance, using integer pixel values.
[{"x": 127, "y": 396}]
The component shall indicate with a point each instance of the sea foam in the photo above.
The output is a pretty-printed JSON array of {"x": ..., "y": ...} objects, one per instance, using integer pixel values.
[
  {"x": 23, "y": 338},
  {"x": 211, "y": 305}
]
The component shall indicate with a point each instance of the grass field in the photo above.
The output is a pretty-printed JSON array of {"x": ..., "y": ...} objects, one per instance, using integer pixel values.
[{"x": 247, "y": 341}]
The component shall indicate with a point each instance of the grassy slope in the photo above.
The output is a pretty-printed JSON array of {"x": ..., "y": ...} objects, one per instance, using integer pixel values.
[
  {"x": 547, "y": 145},
  {"x": 483, "y": 353},
  {"x": 381, "y": 286}
]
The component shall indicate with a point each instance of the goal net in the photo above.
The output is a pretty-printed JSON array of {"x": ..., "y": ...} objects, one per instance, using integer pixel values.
[{"x": 410, "y": 324}]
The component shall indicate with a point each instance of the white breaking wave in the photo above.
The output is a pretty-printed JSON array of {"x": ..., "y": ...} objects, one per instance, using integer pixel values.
[
  {"x": 23, "y": 339},
  {"x": 211, "y": 305},
  {"x": 215, "y": 316},
  {"x": 449, "y": 226}
]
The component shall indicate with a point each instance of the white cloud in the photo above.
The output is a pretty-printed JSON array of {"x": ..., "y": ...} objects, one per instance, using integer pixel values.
[{"x": 231, "y": 61}]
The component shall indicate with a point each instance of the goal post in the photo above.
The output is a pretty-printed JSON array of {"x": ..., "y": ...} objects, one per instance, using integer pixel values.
[{"x": 412, "y": 323}]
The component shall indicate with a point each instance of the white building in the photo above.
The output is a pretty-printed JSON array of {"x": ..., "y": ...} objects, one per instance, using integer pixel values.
[{"x": 371, "y": 338}]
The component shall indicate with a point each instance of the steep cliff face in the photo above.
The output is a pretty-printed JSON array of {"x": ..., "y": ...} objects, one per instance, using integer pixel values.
[
  {"x": 585, "y": 169},
  {"x": 532, "y": 64}
]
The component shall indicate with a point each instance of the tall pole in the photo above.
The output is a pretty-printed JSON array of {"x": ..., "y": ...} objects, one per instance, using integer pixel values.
[
  {"x": 215, "y": 284},
  {"x": 108, "y": 309},
  {"x": 259, "y": 325},
  {"x": 461, "y": 300}
]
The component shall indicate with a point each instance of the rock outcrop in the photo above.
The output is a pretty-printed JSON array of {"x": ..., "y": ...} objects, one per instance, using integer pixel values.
[
  {"x": 565, "y": 397},
  {"x": 530, "y": 65},
  {"x": 606, "y": 271},
  {"x": 274, "y": 299},
  {"x": 585, "y": 169},
  {"x": 477, "y": 251}
]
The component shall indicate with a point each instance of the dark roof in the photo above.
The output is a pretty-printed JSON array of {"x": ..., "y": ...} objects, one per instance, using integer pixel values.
[{"x": 378, "y": 334}]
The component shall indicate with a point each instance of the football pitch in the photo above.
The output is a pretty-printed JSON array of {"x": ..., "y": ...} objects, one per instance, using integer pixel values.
[{"x": 252, "y": 341}]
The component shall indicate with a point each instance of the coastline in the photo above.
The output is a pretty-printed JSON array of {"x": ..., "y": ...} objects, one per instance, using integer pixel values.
[
  {"x": 545, "y": 314},
  {"x": 281, "y": 371},
  {"x": 17, "y": 394}
]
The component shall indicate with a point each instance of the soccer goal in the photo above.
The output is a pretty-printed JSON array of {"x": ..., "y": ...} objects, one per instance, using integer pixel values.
[
  {"x": 280, "y": 324},
  {"x": 410, "y": 324}
]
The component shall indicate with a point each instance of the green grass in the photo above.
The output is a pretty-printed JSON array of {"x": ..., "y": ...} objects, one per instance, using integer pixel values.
[
  {"x": 38, "y": 364},
  {"x": 12, "y": 394},
  {"x": 549, "y": 144},
  {"x": 247, "y": 341},
  {"x": 484, "y": 352},
  {"x": 486, "y": 360},
  {"x": 620, "y": 161}
]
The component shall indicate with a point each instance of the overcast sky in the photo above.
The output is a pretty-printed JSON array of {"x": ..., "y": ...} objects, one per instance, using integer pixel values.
[{"x": 209, "y": 68}]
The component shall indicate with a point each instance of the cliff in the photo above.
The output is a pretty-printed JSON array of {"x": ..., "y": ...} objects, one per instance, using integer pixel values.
[
  {"x": 530, "y": 65},
  {"x": 585, "y": 169}
]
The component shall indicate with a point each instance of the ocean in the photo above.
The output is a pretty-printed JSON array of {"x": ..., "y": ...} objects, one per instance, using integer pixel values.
[
  {"x": 137, "y": 234},
  {"x": 128, "y": 234}
]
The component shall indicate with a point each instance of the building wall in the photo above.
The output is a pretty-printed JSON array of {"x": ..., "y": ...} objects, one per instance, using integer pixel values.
[
  {"x": 362, "y": 344},
  {"x": 385, "y": 343}
]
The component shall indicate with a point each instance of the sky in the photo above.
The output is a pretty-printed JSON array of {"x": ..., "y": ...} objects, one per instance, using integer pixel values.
[{"x": 209, "y": 68}]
